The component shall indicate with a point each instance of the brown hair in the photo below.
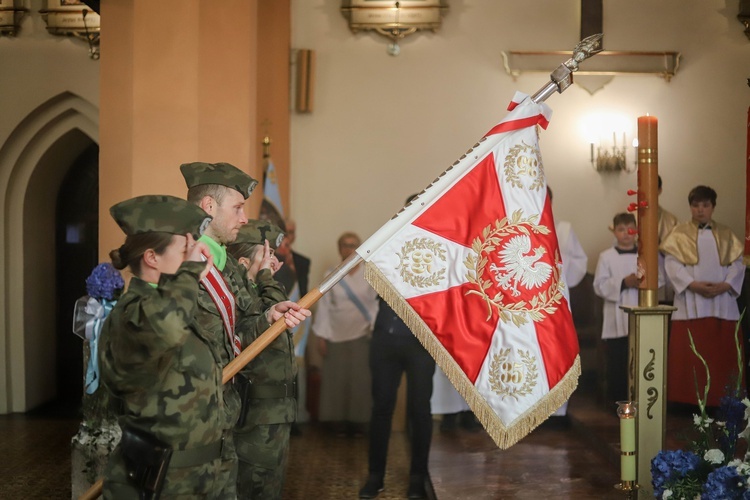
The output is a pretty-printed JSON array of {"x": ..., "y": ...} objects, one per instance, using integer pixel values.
[
  {"x": 346, "y": 235},
  {"x": 623, "y": 218},
  {"x": 247, "y": 250},
  {"x": 130, "y": 253},
  {"x": 702, "y": 193},
  {"x": 215, "y": 191}
]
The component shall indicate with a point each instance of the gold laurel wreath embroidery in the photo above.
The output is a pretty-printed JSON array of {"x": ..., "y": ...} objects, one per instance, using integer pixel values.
[
  {"x": 420, "y": 244},
  {"x": 545, "y": 301},
  {"x": 530, "y": 376},
  {"x": 511, "y": 160}
]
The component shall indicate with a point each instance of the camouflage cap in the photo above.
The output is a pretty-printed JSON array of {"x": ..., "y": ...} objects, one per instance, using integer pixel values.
[
  {"x": 256, "y": 231},
  {"x": 160, "y": 213},
  {"x": 224, "y": 174}
]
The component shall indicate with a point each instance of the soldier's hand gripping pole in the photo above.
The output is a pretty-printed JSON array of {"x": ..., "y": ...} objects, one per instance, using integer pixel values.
[{"x": 265, "y": 339}]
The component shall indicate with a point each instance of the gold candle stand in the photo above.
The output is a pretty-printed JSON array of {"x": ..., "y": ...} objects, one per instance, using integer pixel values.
[{"x": 647, "y": 383}]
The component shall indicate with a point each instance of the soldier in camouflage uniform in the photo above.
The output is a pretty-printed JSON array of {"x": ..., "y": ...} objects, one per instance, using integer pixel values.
[
  {"x": 221, "y": 190},
  {"x": 269, "y": 405},
  {"x": 154, "y": 359}
]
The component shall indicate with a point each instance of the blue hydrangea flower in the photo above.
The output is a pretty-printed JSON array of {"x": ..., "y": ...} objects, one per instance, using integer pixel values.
[
  {"x": 669, "y": 466},
  {"x": 732, "y": 412},
  {"x": 104, "y": 282},
  {"x": 724, "y": 483}
]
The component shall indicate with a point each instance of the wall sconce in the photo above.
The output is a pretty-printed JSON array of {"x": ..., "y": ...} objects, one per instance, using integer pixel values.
[
  {"x": 11, "y": 12},
  {"x": 608, "y": 143},
  {"x": 393, "y": 20},
  {"x": 73, "y": 18},
  {"x": 610, "y": 158}
]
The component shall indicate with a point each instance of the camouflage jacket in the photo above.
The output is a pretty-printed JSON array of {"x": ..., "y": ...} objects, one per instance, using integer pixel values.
[
  {"x": 160, "y": 365},
  {"x": 250, "y": 321},
  {"x": 275, "y": 365}
]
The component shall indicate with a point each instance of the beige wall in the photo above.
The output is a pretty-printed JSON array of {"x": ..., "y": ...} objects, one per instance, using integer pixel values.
[
  {"x": 178, "y": 85},
  {"x": 49, "y": 93},
  {"x": 384, "y": 127}
]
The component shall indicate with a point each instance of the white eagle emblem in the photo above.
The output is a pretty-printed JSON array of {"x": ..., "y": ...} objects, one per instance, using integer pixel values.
[{"x": 519, "y": 267}]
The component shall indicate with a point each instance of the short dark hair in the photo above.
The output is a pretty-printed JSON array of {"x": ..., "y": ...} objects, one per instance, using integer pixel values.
[
  {"x": 215, "y": 191},
  {"x": 623, "y": 218},
  {"x": 702, "y": 193},
  {"x": 659, "y": 176}
]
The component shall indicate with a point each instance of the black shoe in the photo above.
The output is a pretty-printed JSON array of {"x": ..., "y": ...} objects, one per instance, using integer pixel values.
[
  {"x": 469, "y": 422},
  {"x": 416, "y": 487},
  {"x": 448, "y": 423},
  {"x": 372, "y": 487}
]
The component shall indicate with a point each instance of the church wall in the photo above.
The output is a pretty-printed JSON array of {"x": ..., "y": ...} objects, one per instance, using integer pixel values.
[
  {"x": 384, "y": 127},
  {"x": 41, "y": 74}
]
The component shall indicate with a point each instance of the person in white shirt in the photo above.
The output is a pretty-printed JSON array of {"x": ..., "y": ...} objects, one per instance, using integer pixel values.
[
  {"x": 704, "y": 264},
  {"x": 343, "y": 325},
  {"x": 574, "y": 266},
  {"x": 616, "y": 282}
]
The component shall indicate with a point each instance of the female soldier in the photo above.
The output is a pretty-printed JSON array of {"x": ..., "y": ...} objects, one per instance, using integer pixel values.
[{"x": 156, "y": 363}]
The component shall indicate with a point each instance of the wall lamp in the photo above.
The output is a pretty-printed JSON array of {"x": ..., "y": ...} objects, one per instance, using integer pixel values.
[
  {"x": 73, "y": 18},
  {"x": 608, "y": 142},
  {"x": 11, "y": 12},
  {"x": 393, "y": 20}
]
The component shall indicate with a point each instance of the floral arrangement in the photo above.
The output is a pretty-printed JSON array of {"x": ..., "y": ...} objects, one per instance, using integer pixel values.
[
  {"x": 103, "y": 287},
  {"x": 710, "y": 469},
  {"x": 104, "y": 282},
  {"x": 99, "y": 432}
]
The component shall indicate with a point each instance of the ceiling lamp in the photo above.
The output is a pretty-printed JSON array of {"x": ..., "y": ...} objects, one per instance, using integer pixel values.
[{"x": 393, "y": 20}]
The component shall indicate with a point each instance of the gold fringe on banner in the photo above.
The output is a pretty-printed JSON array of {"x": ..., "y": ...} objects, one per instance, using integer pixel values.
[{"x": 504, "y": 436}]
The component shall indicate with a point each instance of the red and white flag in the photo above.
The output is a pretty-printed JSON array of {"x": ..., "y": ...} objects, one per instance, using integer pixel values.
[{"x": 472, "y": 265}]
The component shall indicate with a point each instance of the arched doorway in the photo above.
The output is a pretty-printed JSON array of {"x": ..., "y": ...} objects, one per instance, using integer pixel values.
[
  {"x": 40, "y": 152},
  {"x": 76, "y": 236}
]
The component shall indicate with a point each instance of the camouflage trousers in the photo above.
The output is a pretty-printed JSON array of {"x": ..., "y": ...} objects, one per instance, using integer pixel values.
[
  {"x": 212, "y": 480},
  {"x": 262, "y": 451}
]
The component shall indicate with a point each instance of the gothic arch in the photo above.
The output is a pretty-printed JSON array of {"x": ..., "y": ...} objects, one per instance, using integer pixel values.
[{"x": 53, "y": 133}]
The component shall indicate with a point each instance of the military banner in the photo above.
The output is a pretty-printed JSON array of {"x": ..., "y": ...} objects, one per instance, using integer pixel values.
[{"x": 472, "y": 265}]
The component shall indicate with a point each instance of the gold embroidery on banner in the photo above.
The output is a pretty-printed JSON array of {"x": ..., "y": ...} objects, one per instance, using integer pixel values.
[
  {"x": 420, "y": 262},
  {"x": 524, "y": 160},
  {"x": 510, "y": 378},
  {"x": 519, "y": 312}
]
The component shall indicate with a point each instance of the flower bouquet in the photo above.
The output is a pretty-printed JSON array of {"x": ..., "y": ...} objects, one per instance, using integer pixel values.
[
  {"x": 103, "y": 287},
  {"x": 710, "y": 469}
]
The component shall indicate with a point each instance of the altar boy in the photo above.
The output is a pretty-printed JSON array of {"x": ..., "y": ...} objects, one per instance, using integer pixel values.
[{"x": 616, "y": 282}]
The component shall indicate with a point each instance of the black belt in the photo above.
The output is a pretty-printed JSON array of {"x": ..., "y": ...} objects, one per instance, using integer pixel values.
[
  {"x": 277, "y": 391},
  {"x": 196, "y": 456}
]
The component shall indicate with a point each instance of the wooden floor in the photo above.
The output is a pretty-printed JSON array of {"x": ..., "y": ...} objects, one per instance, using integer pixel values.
[{"x": 575, "y": 458}]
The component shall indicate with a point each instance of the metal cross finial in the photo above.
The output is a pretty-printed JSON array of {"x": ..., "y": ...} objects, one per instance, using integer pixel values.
[
  {"x": 562, "y": 77},
  {"x": 586, "y": 48}
]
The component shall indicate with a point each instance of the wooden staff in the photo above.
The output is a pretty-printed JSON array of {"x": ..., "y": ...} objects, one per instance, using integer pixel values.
[{"x": 648, "y": 211}]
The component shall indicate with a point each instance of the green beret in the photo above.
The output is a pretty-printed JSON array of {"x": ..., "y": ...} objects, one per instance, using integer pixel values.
[
  {"x": 224, "y": 174},
  {"x": 255, "y": 232},
  {"x": 160, "y": 213}
]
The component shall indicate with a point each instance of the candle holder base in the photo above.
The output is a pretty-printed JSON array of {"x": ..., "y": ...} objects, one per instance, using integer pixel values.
[{"x": 629, "y": 488}]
